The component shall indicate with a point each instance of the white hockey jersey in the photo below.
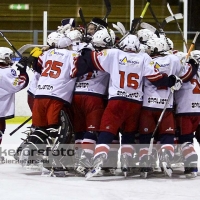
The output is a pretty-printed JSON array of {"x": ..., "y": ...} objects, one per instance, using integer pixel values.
[
  {"x": 187, "y": 99},
  {"x": 33, "y": 83},
  {"x": 55, "y": 80},
  {"x": 126, "y": 72},
  {"x": 10, "y": 83},
  {"x": 93, "y": 82},
  {"x": 170, "y": 65}
]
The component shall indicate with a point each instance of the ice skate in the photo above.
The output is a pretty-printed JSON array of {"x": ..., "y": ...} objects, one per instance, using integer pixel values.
[
  {"x": 24, "y": 156},
  {"x": 191, "y": 170},
  {"x": 165, "y": 163},
  {"x": 146, "y": 166},
  {"x": 97, "y": 166},
  {"x": 85, "y": 164}
]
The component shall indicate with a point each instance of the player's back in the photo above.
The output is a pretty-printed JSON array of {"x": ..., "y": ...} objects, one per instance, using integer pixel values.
[
  {"x": 126, "y": 72},
  {"x": 55, "y": 78}
]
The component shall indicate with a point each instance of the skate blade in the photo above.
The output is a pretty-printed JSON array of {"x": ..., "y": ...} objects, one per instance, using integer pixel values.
[
  {"x": 81, "y": 170},
  {"x": 143, "y": 174},
  {"x": 168, "y": 171},
  {"x": 92, "y": 173}
]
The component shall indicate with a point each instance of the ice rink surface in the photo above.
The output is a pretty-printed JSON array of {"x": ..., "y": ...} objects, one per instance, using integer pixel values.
[{"x": 16, "y": 183}]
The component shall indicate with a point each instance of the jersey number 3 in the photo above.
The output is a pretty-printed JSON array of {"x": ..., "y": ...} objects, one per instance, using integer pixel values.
[{"x": 52, "y": 69}]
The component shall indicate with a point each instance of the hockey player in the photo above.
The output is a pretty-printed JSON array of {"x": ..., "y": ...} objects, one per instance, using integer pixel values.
[
  {"x": 188, "y": 119},
  {"x": 10, "y": 83},
  {"x": 89, "y": 104},
  {"x": 127, "y": 69},
  {"x": 54, "y": 91},
  {"x": 154, "y": 101}
]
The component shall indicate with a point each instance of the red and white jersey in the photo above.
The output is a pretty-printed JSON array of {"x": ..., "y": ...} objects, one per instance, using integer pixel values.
[
  {"x": 126, "y": 72},
  {"x": 93, "y": 82},
  {"x": 170, "y": 65},
  {"x": 187, "y": 99},
  {"x": 10, "y": 83},
  {"x": 55, "y": 80},
  {"x": 33, "y": 83}
]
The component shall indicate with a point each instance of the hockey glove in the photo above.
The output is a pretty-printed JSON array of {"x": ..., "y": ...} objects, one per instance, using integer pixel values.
[
  {"x": 22, "y": 64},
  {"x": 193, "y": 62},
  {"x": 177, "y": 82},
  {"x": 87, "y": 39},
  {"x": 33, "y": 58}
]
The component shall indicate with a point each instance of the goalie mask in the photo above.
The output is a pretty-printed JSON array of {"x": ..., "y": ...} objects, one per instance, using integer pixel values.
[
  {"x": 53, "y": 38},
  {"x": 130, "y": 44},
  {"x": 6, "y": 55},
  {"x": 102, "y": 39}
]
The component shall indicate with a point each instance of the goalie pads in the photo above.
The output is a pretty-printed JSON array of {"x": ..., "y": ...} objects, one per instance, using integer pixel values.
[{"x": 66, "y": 131}]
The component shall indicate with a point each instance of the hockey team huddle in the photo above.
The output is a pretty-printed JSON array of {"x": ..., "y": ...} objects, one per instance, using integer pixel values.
[{"x": 135, "y": 96}]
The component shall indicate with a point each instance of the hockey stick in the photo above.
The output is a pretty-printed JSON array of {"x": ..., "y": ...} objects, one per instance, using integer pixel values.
[
  {"x": 150, "y": 27},
  {"x": 118, "y": 28},
  {"x": 108, "y": 9},
  {"x": 27, "y": 46},
  {"x": 10, "y": 44},
  {"x": 121, "y": 26},
  {"x": 141, "y": 16},
  {"x": 170, "y": 18},
  {"x": 170, "y": 10},
  {"x": 169, "y": 98},
  {"x": 135, "y": 23},
  {"x": 20, "y": 126},
  {"x": 159, "y": 26},
  {"x": 83, "y": 21}
]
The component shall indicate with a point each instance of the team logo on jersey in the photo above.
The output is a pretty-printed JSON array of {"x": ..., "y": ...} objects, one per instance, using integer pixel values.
[
  {"x": 124, "y": 61},
  {"x": 157, "y": 66},
  {"x": 151, "y": 63},
  {"x": 13, "y": 72},
  {"x": 52, "y": 52}
]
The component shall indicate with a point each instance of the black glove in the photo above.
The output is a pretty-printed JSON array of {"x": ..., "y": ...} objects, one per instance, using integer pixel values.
[
  {"x": 193, "y": 62},
  {"x": 87, "y": 39},
  {"x": 175, "y": 82},
  {"x": 22, "y": 64}
]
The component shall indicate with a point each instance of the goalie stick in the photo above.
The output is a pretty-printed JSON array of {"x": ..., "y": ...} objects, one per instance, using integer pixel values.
[
  {"x": 22, "y": 49},
  {"x": 108, "y": 9},
  {"x": 10, "y": 44},
  {"x": 179, "y": 28},
  {"x": 167, "y": 102},
  {"x": 20, "y": 126}
]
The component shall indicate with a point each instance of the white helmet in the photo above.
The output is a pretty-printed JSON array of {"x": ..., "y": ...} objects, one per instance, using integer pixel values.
[
  {"x": 112, "y": 34},
  {"x": 145, "y": 34},
  {"x": 170, "y": 44},
  {"x": 196, "y": 55},
  {"x": 6, "y": 55},
  {"x": 53, "y": 38},
  {"x": 130, "y": 43},
  {"x": 101, "y": 38},
  {"x": 157, "y": 45},
  {"x": 75, "y": 35}
]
